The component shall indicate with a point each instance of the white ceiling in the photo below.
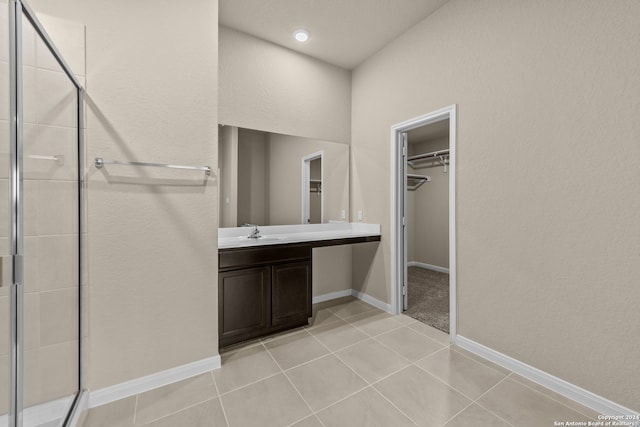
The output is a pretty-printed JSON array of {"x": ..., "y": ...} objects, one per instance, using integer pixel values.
[{"x": 343, "y": 32}]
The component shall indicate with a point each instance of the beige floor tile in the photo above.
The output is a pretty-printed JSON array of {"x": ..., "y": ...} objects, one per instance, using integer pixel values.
[
  {"x": 333, "y": 303},
  {"x": 321, "y": 318},
  {"x": 374, "y": 323},
  {"x": 404, "y": 319},
  {"x": 409, "y": 343},
  {"x": 325, "y": 381},
  {"x": 242, "y": 367},
  {"x": 557, "y": 397},
  {"x": 463, "y": 374},
  {"x": 175, "y": 397},
  {"x": 278, "y": 335},
  {"x": 476, "y": 416},
  {"x": 351, "y": 308},
  {"x": 295, "y": 349},
  {"x": 427, "y": 401},
  {"x": 524, "y": 407},
  {"x": 364, "y": 409},
  {"x": 372, "y": 360},
  {"x": 270, "y": 402},
  {"x": 481, "y": 360},
  {"x": 311, "y": 421},
  {"x": 241, "y": 345},
  {"x": 338, "y": 335},
  {"x": 205, "y": 414},
  {"x": 115, "y": 414},
  {"x": 433, "y": 333}
]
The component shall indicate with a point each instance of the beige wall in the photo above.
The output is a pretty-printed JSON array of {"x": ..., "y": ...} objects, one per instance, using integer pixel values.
[
  {"x": 428, "y": 212},
  {"x": 228, "y": 179},
  {"x": 293, "y": 94},
  {"x": 547, "y": 176},
  {"x": 285, "y": 177},
  {"x": 253, "y": 177},
  {"x": 151, "y": 68}
]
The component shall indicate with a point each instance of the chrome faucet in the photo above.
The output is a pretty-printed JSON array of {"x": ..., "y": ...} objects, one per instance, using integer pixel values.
[{"x": 255, "y": 233}]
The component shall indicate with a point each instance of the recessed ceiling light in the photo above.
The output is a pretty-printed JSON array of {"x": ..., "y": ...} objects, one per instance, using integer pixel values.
[{"x": 301, "y": 35}]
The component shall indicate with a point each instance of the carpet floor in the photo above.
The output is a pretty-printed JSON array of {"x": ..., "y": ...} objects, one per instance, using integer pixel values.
[{"x": 428, "y": 292}]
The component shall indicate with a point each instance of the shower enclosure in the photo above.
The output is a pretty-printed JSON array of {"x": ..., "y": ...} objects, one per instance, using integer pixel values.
[{"x": 40, "y": 225}]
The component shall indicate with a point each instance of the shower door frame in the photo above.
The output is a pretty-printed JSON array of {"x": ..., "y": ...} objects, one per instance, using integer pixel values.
[{"x": 17, "y": 10}]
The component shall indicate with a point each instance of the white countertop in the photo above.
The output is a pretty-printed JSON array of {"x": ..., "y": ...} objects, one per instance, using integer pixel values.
[{"x": 282, "y": 234}]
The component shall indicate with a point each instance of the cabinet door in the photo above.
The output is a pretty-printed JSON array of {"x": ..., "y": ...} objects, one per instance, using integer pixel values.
[
  {"x": 291, "y": 293},
  {"x": 244, "y": 303}
]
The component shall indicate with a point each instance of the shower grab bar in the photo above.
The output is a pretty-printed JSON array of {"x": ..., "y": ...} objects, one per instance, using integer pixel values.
[{"x": 99, "y": 162}]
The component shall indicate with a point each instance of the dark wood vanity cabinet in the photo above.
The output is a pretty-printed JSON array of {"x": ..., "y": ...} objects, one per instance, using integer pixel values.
[{"x": 262, "y": 290}]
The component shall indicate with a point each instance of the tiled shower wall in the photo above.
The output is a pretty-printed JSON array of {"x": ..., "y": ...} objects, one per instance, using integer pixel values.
[{"x": 50, "y": 213}]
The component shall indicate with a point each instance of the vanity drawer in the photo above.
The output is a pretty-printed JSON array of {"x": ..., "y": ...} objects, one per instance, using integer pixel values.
[{"x": 243, "y": 257}]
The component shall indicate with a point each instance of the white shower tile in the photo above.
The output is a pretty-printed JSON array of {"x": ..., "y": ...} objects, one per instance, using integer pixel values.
[
  {"x": 58, "y": 207},
  {"x": 58, "y": 262},
  {"x": 58, "y": 370},
  {"x": 56, "y": 99},
  {"x": 58, "y": 316}
]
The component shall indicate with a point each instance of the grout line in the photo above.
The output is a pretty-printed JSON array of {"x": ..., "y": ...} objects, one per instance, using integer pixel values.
[
  {"x": 379, "y": 380},
  {"x": 178, "y": 411},
  {"x": 487, "y": 409},
  {"x": 251, "y": 383},
  {"x": 400, "y": 325},
  {"x": 457, "y": 350},
  {"x": 543, "y": 393},
  {"x": 394, "y": 405},
  {"x": 458, "y": 413},
  {"x": 491, "y": 388},
  {"x": 398, "y": 353},
  {"x": 340, "y": 400},
  {"x": 334, "y": 353},
  {"x": 446, "y": 384},
  {"x": 215, "y": 383},
  {"x": 290, "y": 382}
]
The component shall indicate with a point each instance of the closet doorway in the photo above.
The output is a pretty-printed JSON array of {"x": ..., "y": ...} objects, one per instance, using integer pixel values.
[
  {"x": 423, "y": 238},
  {"x": 312, "y": 195}
]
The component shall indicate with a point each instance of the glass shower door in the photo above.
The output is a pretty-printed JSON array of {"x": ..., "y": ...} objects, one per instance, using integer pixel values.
[
  {"x": 39, "y": 226},
  {"x": 51, "y": 234}
]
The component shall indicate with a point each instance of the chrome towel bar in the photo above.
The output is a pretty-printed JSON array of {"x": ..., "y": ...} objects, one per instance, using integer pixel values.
[{"x": 99, "y": 162}]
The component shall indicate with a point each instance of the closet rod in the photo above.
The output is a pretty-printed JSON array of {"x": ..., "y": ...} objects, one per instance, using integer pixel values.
[
  {"x": 427, "y": 155},
  {"x": 418, "y": 177}
]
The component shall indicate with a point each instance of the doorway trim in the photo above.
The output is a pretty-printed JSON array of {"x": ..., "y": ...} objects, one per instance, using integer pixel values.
[
  {"x": 306, "y": 183},
  {"x": 398, "y": 191}
]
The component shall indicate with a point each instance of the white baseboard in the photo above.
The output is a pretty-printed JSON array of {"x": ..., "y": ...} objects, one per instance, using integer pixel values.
[
  {"x": 149, "y": 382},
  {"x": 562, "y": 387},
  {"x": 330, "y": 296},
  {"x": 428, "y": 266},
  {"x": 352, "y": 292},
  {"x": 371, "y": 300}
]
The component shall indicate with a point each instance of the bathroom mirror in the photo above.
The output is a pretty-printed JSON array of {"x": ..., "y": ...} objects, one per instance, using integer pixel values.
[{"x": 273, "y": 179}]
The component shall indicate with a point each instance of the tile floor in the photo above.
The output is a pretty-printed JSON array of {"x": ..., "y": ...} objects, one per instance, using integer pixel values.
[{"x": 354, "y": 365}]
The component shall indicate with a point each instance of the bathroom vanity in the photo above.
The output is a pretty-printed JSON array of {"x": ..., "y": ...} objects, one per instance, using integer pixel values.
[{"x": 264, "y": 284}]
